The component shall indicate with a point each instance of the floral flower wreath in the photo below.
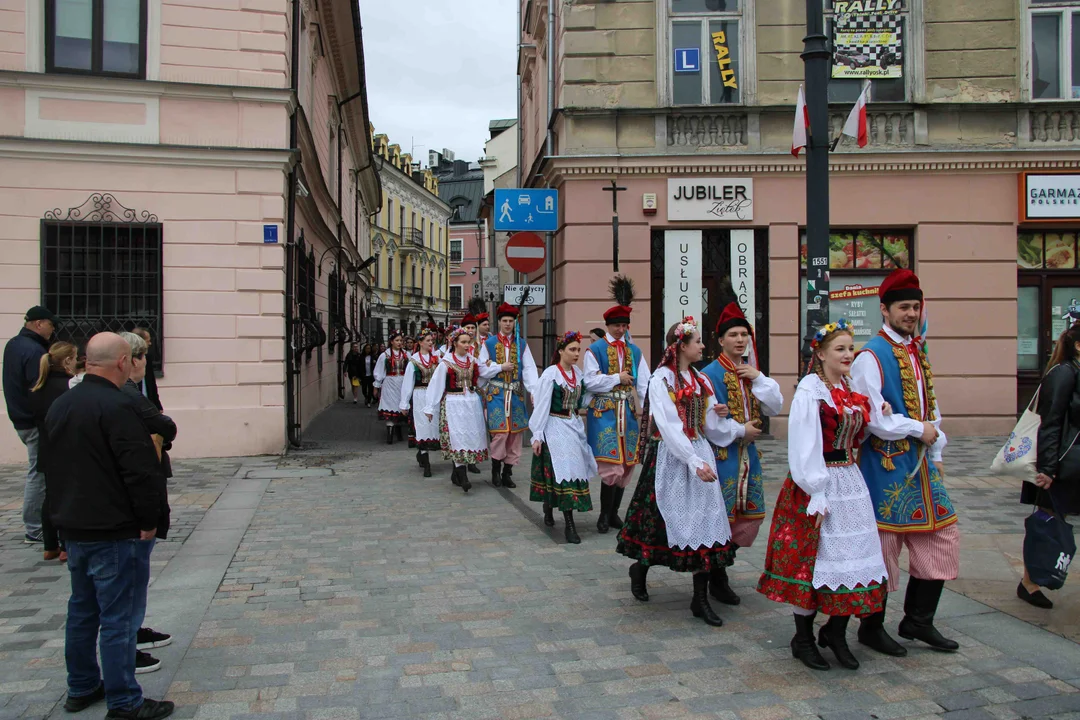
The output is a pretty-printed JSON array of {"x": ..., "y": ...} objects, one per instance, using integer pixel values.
[
  {"x": 569, "y": 338},
  {"x": 825, "y": 331},
  {"x": 683, "y": 332},
  {"x": 453, "y": 333}
]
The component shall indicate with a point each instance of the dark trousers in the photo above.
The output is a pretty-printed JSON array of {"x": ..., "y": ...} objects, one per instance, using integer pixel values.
[
  {"x": 367, "y": 384},
  {"x": 48, "y": 531}
]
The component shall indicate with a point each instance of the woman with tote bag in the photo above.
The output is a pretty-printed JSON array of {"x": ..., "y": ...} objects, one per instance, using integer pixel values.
[{"x": 1054, "y": 492}]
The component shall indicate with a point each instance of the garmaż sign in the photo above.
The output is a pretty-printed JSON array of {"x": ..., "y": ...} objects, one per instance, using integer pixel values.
[
  {"x": 710, "y": 199},
  {"x": 1049, "y": 197}
]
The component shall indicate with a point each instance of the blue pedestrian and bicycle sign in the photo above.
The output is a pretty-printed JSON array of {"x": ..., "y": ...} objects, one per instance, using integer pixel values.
[
  {"x": 687, "y": 60},
  {"x": 526, "y": 209}
]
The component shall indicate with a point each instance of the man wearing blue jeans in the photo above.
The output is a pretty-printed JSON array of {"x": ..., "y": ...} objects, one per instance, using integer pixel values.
[
  {"x": 22, "y": 356},
  {"x": 107, "y": 496}
]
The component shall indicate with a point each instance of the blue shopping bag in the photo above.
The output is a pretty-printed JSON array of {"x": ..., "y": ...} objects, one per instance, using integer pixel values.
[{"x": 1049, "y": 547}]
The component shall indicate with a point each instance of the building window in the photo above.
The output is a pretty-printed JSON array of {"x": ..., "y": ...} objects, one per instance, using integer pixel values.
[
  {"x": 390, "y": 215},
  {"x": 375, "y": 270},
  {"x": 1049, "y": 285},
  {"x": 96, "y": 37},
  {"x": 431, "y": 283},
  {"x": 455, "y": 250},
  {"x": 390, "y": 273},
  {"x": 1055, "y": 49},
  {"x": 867, "y": 45},
  {"x": 401, "y": 219},
  {"x": 456, "y": 296},
  {"x": 858, "y": 261},
  {"x": 706, "y": 50},
  {"x": 102, "y": 276}
]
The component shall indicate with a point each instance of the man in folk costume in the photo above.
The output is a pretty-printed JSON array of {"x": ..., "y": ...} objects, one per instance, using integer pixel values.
[
  {"x": 748, "y": 394},
  {"x": 480, "y": 327},
  {"x": 509, "y": 372},
  {"x": 901, "y": 461},
  {"x": 617, "y": 377}
]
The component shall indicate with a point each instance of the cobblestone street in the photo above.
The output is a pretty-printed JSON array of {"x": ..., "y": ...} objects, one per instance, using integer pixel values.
[{"x": 339, "y": 583}]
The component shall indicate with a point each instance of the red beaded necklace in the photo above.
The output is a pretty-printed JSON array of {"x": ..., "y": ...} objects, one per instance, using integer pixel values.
[
  {"x": 460, "y": 364},
  {"x": 570, "y": 379},
  {"x": 428, "y": 363}
]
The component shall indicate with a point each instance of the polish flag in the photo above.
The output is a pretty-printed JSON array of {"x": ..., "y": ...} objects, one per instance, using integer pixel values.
[
  {"x": 856, "y": 122},
  {"x": 802, "y": 123}
]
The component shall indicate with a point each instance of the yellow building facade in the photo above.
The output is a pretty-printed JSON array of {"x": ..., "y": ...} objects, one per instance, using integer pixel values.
[{"x": 410, "y": 243}]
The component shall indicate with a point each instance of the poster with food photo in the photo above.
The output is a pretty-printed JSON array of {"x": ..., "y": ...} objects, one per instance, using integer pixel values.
[
  {"x": 1060, "y": 251},
  {"x": 1029, "y": 251}
]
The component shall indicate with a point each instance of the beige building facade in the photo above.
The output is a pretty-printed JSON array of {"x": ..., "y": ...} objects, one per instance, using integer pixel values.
[{"x": 970, "y": 176}]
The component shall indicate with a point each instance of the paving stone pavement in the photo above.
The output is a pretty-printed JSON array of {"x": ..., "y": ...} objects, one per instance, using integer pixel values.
[{"x": 337, "y": 582}]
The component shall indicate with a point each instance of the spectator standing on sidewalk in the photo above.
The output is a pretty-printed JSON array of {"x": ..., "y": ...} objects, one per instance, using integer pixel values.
[
  {"x": 55, "y": 371},
  {"x": 108, "y": 492},
  {"x": 1058, "y": 462},
  {"x": 367, "y": 374},
  {"x": 352, "y": 367},
  {"x": 148, "y": 386},
  {"x": 162, "y": 431},
  {"x": 22, "y": 356}
]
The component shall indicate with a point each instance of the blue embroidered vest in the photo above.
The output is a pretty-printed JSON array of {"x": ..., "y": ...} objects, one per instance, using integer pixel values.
[
  {"x": 738, "y": 467},
  {"x": 504, "y": 394},
  {"x": 907, "y": 491},
  {"x": 610, "y": 424}
]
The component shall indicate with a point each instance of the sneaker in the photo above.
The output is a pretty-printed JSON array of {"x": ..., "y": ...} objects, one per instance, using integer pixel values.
[
  {"x": 33, "y": 539},
  {"x": 78, "y": 704},
  {"x": 148, "y": 638},
  {"x": 146, "y": 663},
  {"x": 51, "y": 554},
  {"x": 149, "y": 710}
]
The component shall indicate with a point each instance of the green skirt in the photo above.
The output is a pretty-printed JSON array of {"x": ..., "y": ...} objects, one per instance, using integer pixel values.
[{"x": 569, "y": 495}]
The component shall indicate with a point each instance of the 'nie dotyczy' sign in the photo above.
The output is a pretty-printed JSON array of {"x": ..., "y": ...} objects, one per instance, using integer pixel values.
[{"x": 710, "y": 199}]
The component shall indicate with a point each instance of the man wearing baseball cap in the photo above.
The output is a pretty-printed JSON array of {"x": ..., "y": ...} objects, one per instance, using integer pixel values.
[{"x": 22, "y": 356}]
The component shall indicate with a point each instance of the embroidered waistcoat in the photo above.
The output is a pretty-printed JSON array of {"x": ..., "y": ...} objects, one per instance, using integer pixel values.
[
  {"x": 738, "y": 466},
  {"x": 610, "y": 424},
  {"x": 395, "y": 365},
  {"x": 423, "y": 375},
  {"x": 504, "y": 394},
  {"x": 565, "y": 401}
]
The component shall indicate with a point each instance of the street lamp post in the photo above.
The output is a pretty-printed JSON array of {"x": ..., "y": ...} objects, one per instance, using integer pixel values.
[{"x": 815, "y": 57}]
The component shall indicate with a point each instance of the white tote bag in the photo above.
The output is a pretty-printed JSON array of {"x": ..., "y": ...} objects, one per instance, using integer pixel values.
[{"x": 1017, "y": 456}]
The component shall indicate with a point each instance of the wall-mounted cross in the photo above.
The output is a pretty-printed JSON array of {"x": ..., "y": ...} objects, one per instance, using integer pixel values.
[{"x": 614, "y": 190}]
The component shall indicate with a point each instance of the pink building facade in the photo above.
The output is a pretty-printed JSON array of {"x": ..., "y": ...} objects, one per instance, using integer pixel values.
[{"x": 206, "y": 172}]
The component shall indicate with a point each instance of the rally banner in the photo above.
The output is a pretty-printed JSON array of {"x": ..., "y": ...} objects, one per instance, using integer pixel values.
[{"x": 867, "y": 39}]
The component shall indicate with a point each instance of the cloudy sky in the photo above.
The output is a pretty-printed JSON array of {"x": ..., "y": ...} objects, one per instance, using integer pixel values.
[{"x": 439, "y": 70}]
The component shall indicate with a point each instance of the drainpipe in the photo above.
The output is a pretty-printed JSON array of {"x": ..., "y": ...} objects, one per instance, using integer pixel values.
[
  {"x": 292, "y": 391},
  {"x": 337, "y": 269},
  {"x": 549, "y": 304}
]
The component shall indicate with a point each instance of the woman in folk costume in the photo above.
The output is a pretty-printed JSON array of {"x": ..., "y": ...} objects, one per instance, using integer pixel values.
[
  {"x": 418, "y": 375},
  {"x": 823, "y": 552},
  {"x": 452, "y": 398},
  {"x": 747, "y": 394},
  {"x": 677, "y": 516},
  {"x": 561, "y": 479},
  {"x": 389, "y": 376},
  {"x": 617, "y": 378},
  {"x": 509, "y": 373}
]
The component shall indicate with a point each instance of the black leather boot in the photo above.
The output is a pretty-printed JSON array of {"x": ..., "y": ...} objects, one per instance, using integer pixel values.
[
  {"x": 873, "y": 635},
  {"x": 920, "y": 606},
  {"x": 496, "y": 472},
  {"x": 833, "y": 635},
  {"x": 455, "y": 476},
  {"x": 399, "y": 432},
  {"x": 473, "y": 469},
  {"x": 464, "y": 476},
  {"x": 549, "y": 516},
  {"x": 425, "y": 462},
  {"x": 571, "y": 531},
  {"x": 508, "y": 476},
  {"x": 605, "y": 507},
  {"x": 720, "y": 588},
  {"x": 389, "y": 434},
  {"x": 616, "y": 501},
  {"x": 700, "y": 604},
  {"x": 802, "y": 645},
  {"x": 638, "y": 589},
  {"x": 420, "y": 457}
]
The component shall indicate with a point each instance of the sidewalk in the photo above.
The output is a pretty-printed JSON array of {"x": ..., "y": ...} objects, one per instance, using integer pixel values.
[{"x": 339, "y": 583}]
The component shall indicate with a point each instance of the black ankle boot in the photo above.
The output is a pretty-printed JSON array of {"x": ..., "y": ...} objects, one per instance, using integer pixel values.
[
  {"x": 638, "y": 589},
  {"x": 508, "y": 476},
  {"x": 420, "y": 457},
  {"x": 833, "y": 635},
  {"x": 872, "y": 634},
  {"x": 455, "y": 476},
  {"x": 720, "y": 588},
  {"x": 399, "y": 432},
  {"x": 700, "y": 604},
  {"x": 616, "y": 501},
  {"x": 473, "y": 469},
  {"x": 571, "y": 531},
  {"x": 464, "y": 477},
  {"x": 389, "y": 434},
  {"x": 605, "y": 508},
  {"x": 802, "y": 645},
  {"x": 496, "y": 472},
  {"x": 426, "y": 464},
  {"x": 920, "y": 606},
  {"x": 549, "y": 516}
]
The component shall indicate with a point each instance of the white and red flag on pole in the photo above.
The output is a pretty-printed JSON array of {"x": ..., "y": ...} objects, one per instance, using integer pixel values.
[
  {"x": 856, "y": 122},
  {"x": 802, "y": 124}
]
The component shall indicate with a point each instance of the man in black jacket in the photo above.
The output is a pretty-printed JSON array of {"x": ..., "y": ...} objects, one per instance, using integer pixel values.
[
  {"x": 105, "y": 489},
  {"x": 22, "y": 356},
  {"x": 148, "y": 385}
]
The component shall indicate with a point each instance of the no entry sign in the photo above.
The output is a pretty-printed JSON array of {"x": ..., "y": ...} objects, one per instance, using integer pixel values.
[{"x": 525, "y": 252}]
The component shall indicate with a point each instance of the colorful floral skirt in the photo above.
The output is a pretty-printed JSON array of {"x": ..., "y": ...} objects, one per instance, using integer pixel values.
[
  {"x": 644, "y": 535},
  {"x": 564, "y": 496},
  {"x": 789, "y": 563}
]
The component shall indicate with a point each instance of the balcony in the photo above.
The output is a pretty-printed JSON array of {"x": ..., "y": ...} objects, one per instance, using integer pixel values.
[
  {"x": 412, "y": 296},
  {"x": 412, "y": 240}
]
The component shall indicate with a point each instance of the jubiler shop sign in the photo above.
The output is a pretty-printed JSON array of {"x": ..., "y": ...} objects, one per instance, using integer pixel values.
[
  {"x": 1049, "y": 197},
  {"x": 710, "y": 199}
]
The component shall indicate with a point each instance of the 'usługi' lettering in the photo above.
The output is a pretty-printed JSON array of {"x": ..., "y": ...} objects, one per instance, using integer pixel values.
[{"x": 723, "y": 59}]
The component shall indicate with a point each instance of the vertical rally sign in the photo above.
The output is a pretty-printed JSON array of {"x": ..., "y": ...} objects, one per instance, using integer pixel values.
[
  {"x": 682, "y": 276},
  {"x": 742, "y": 272}
]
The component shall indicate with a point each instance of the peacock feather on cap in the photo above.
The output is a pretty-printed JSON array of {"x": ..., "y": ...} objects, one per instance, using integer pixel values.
[
  {"x": 622, "y": 290},
  {"x": 477, "y": 306}
]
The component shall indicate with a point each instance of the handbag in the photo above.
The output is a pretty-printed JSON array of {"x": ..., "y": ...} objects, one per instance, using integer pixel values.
[
  {"x": 1017, "y": 456},
  {"x": 1049, "y": 547}
]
